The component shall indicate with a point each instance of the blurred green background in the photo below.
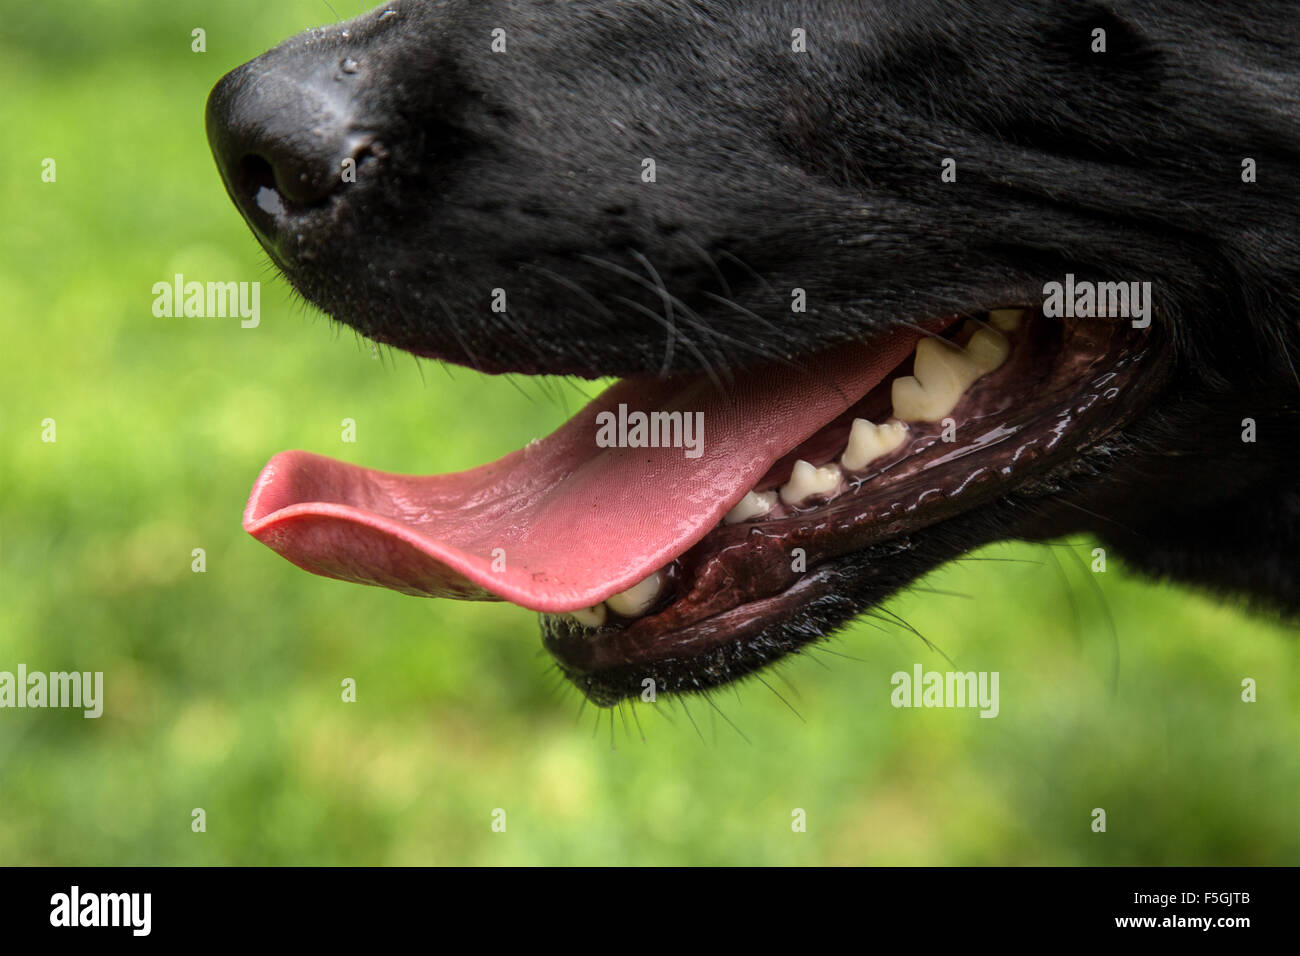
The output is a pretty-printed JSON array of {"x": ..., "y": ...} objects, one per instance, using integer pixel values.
[{"x": 223, "y": 688}]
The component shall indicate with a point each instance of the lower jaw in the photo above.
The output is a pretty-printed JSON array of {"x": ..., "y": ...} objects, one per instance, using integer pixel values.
[{"x": 749, "y": 593}]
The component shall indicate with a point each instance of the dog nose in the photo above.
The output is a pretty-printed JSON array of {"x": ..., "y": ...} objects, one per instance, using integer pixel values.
[{"x": 282, "y": 137}]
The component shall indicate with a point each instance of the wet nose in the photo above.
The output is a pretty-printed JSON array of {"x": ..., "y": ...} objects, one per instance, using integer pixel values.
[{"x": 282, "y": 136}]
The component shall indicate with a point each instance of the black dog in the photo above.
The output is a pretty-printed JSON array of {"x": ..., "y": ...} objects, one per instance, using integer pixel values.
[{"x": 756, "y": 211}]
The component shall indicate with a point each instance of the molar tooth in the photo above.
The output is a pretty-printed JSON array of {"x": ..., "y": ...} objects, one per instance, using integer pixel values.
[
  {"x": 868, "y": 441},
  {"x": 988, "y": 349},
  {"x": 807, "y": 481},
  {"x": 914, "y": 404},
  {"x": 755, "y": 504},
  {"x": 941, "y": 365},
  {"x": 593, "y": 616},
  {"x": 943, "y": 373},
  {"x": 637, "y": 599},
  {"x": 1006, "y": 320}
]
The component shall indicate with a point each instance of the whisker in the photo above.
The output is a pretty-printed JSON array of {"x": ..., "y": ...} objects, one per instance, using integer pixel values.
[
  {"x": 455, "y": 331},
  {"x": 773, "y": 356},
  {"x": 670, "y": 342},
  {"x": 724, "y": 254},
  {"x": 933, "y": 335},
  {"x": 692, "y": 720},
  {"x": 713, "y": 266},
  {"x": 848, "y": 657},
  {"x": 1100, "y": 517},
  {"x": 636, "y": 719},
  {"x": 571, "y": 286},
  {"x": 759, "y": 678},
  {"x": 925, "y": 640},
  {"x": 687, "y": 314},
  {"x": 718, "y": 710},
  {"x": 664, "y": 297},
  {"x": 940, "y": 591},
  {"x": 704, "y": 362},
  {"x": 1110, "y": 619}
]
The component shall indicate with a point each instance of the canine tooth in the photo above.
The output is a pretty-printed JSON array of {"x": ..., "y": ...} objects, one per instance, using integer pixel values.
[
  {"x": 637, "y": 599},
  {"x": 1006, "y": 320},
  {"x": 807, "y": 481},
  {"x": 868, "y": 441},
  {"x": 755, "y": 504},
  {"x": 593, "y": 616},
  {"x": 942, "y": 374}
]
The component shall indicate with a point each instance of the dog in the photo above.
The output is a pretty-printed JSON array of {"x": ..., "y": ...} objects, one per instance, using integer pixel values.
[{"x": 927, "y": 275}]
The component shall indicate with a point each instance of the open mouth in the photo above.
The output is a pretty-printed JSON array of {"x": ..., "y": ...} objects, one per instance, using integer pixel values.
[{"x": 679, "y": 533}]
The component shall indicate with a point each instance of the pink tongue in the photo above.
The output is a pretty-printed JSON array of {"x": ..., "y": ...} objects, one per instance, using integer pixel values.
[{"x": 561, "y": 523}]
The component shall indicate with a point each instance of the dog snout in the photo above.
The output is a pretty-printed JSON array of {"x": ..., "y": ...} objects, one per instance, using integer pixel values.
[{"x": 285, "y": 140}]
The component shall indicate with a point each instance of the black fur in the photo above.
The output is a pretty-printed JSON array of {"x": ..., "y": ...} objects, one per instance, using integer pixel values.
[{"x": 521, "y": 171}]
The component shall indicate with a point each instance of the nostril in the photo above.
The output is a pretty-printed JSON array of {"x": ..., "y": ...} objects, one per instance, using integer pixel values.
[
  {"x": 257, "y": 172},
  {"x": 257, "y": 182}
]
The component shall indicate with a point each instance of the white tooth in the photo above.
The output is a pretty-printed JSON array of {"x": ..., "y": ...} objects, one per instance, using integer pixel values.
[
  {"x": 868, "y": 441},
  {"x": 943, "y": 373},
  {"x": 1006, "y": 320},
  {"x": 637, "y": 599},
  {"x": 940, "y": 365},
  {"x": 988, "y": 349},
  {"x": 755, "y": 504},
  {"x": 807, "y": 481},
  {"x": 914, "y": 404},
  {"x": 593, "y": 616}
]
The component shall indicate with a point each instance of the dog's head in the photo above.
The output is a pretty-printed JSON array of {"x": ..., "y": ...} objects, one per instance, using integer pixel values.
[{"x": 776, "y": 221}]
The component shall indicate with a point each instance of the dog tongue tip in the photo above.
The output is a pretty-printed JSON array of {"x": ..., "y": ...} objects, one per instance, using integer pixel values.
[{"x": 343, "y": 521}]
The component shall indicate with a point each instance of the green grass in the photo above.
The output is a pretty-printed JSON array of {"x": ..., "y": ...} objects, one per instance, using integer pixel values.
[{"x": 223, "y": 688}]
